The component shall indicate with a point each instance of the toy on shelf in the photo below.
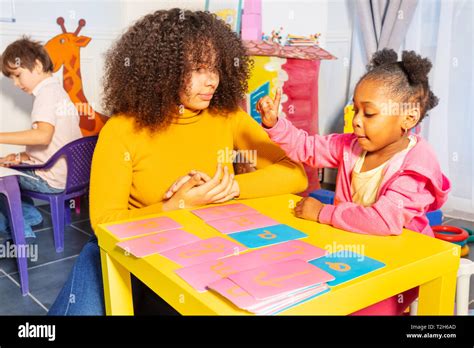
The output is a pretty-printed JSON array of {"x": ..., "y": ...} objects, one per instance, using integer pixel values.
[
  {"x": 275, "y": 37},
  {"x": 291, "y": 40},
  {"x": 299, "y": 40}
]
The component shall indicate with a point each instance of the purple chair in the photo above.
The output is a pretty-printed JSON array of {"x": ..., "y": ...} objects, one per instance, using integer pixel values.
[
  {"x": 9, "y": 187},
  {"x": 78, "y": 154}
]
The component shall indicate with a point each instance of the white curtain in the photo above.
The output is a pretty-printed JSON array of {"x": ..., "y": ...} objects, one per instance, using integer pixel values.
[
  {"x": 384, "y": 22},
  {"x": 443, "y": 31}
]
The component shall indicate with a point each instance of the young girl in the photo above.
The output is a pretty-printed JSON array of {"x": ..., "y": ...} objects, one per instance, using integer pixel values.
[
  {"x": 173, "y": 81},
  {"x": 387, "y": 178},
  {"x": 54, "y": 123}
]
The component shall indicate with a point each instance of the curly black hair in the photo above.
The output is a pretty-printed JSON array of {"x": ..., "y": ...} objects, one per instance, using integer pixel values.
[
  {"x": 148, "y": 67},
  {"x": 406, "y": 79}
]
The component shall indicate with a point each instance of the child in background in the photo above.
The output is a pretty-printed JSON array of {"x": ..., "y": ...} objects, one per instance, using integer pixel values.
[
  {"x": 387, "y": 178},
  {"x": 55, "y": 122}
]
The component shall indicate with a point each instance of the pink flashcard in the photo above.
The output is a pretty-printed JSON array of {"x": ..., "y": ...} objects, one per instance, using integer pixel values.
[
  {"x": 157, "y": 242},
  {"x": 242, "y": 223},
  {"x": 199, "y": 276},
  {"x": 233, "y": 293},
  {"x": 223, "y": 211},
  {"x": 203, "y": 250},
  {"x": 242, "y": 299},
  {"x": 274, "y": 279},
  {"x": 140, "y": 227}
]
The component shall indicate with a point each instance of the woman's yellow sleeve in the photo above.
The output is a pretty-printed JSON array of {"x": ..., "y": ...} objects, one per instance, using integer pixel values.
[
  {"x": 111, "y": 176},
  {"x": 276, "y": 173}
]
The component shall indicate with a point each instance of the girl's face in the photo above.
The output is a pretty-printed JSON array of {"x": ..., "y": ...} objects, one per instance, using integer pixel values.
[
  {"x": 27, "y": 80},
  {"x": 377, "y": 122},
  {"x": 198, "y": 93}
]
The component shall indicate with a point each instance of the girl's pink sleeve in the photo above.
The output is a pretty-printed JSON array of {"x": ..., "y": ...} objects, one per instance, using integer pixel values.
[
  {"x": 315, "y": 150},
  {"x": 406, "y": 197}
]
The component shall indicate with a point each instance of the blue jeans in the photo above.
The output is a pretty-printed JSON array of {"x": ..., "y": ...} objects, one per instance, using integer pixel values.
[
  {"x": 31, "y": 215},
  {"x": 83, "y": 292}
]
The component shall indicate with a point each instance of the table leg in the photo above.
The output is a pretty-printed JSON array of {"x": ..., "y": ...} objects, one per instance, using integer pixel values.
[
  {"x": 117, "y": 286},
  {"x": 437, "y": 296}
]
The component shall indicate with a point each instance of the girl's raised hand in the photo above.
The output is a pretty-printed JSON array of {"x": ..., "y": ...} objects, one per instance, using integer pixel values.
[{"x": 268, "y": 108}]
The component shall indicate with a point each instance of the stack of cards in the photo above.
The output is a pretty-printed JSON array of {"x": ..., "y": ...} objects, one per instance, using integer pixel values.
[
  {"x": 247, "y": 226},
  {"x": 200, "y": 276},
  {"x": 271, "y": 288}
]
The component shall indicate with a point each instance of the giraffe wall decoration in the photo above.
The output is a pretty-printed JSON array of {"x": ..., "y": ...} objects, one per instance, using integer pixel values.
[{"x": 64, "y": 50}]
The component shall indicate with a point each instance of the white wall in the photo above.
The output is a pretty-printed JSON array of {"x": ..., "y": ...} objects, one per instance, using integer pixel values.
[{"x": 106, "y": 20}]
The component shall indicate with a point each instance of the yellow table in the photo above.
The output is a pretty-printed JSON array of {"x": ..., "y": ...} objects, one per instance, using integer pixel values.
[{"x": 411, "y": 259}]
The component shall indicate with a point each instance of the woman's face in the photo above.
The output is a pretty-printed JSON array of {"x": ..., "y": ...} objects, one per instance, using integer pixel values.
[{"x": 201, "y": 87}]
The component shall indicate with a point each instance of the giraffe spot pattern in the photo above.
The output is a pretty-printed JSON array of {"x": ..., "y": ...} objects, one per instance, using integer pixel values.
[
  {"x": 72, "y": 62},
  {"x": 68, "y": 83}
]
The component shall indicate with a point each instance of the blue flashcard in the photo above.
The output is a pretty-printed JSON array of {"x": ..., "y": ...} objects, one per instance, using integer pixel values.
[
  {"x": 255, "y": 96},
  {"x": 267, "y": 235},
  {"x": 346, "y": 265}
]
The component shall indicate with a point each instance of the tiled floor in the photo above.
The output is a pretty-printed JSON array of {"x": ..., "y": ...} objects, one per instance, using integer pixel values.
[{"x": 49, "y": 272}]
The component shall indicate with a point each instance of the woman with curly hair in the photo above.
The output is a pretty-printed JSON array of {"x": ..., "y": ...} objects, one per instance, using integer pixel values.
[
  {"x": 388, "y": 178},
  {"x": 173, "y": 83}
]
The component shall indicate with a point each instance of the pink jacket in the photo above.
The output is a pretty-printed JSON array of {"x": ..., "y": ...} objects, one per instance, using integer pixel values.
[{"x": 412, "y": 185}]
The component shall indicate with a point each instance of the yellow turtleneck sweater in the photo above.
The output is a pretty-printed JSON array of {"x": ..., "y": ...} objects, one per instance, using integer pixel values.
[{"x": 132, "y": 169}]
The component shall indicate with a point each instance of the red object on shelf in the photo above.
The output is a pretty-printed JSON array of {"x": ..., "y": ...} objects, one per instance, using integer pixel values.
[{"x": 265, "y": 48}]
